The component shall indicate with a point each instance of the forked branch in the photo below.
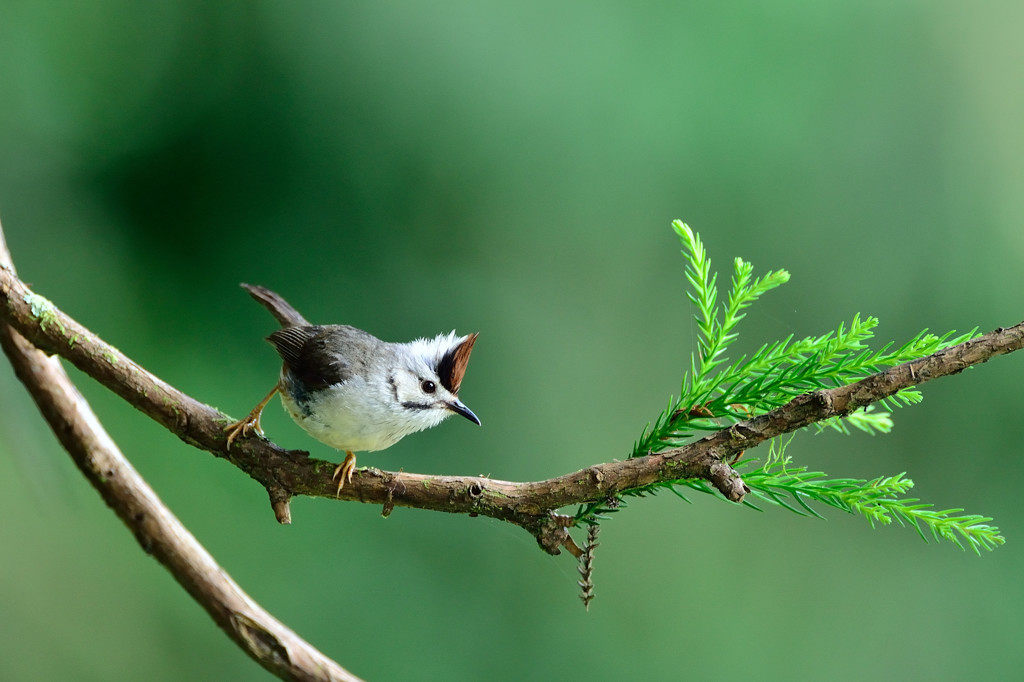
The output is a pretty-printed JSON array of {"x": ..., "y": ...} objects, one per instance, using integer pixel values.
[
  {"x": 259, "y": 634},
  {"x": 31, "y": 327}
]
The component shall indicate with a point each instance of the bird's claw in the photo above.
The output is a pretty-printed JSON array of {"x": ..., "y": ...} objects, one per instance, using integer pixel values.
[
  {"x": 243, "y": 427},
  {"x": 344, "y": 471}
]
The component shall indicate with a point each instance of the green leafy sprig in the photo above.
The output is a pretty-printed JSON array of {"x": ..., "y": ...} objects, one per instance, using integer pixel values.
[
  {"x": 716, "y": 393},
  {"x": 878, "y": 500}
]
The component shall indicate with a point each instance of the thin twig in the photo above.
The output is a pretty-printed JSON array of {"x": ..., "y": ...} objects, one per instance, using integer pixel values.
[{"x": 259, "y": 634}]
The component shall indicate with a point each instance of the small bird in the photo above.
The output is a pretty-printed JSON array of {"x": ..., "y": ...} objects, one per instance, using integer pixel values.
[{"x": 354, "y": 392}]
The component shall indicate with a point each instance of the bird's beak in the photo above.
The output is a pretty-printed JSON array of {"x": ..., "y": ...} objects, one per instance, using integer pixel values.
[{"x": 457, "y": 407}]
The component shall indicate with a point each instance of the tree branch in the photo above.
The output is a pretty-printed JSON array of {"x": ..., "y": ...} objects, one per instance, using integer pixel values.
[
  {"x": 259, "y": 634},
  {"x": 285, "y": 473},
  {"x": 530, "y": 505}
]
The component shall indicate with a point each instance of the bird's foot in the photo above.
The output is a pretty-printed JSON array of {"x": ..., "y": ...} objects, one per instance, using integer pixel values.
[
  {"x": 243, "y": 427},
  {"x": 250, "y": 423},
  {"x": 344, "y": 471}
]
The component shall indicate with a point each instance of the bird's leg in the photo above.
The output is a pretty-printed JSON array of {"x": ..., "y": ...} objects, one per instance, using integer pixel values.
[
  {"x": 251, "y": 422},
  {"x": 344, "y": 470}
]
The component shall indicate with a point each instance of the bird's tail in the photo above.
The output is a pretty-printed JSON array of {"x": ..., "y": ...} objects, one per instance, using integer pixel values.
[{"x": 282, "y": 311}]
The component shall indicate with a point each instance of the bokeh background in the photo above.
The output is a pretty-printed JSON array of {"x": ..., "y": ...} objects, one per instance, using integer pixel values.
[{"x": 513, "y": 168}]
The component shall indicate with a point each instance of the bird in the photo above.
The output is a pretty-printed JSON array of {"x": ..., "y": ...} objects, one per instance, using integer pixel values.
[{"x": 350, "y": 390}]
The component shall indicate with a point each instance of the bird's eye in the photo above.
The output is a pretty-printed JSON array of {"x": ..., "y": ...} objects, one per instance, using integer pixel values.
[{"x": 428, "y": 386}]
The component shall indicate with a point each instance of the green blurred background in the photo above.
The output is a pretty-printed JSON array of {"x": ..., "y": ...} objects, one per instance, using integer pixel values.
[{"x": 512, "y": 168}]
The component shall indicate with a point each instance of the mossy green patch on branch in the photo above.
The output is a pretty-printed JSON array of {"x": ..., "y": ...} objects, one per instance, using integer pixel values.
[{"x": 44, "y": 311}]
